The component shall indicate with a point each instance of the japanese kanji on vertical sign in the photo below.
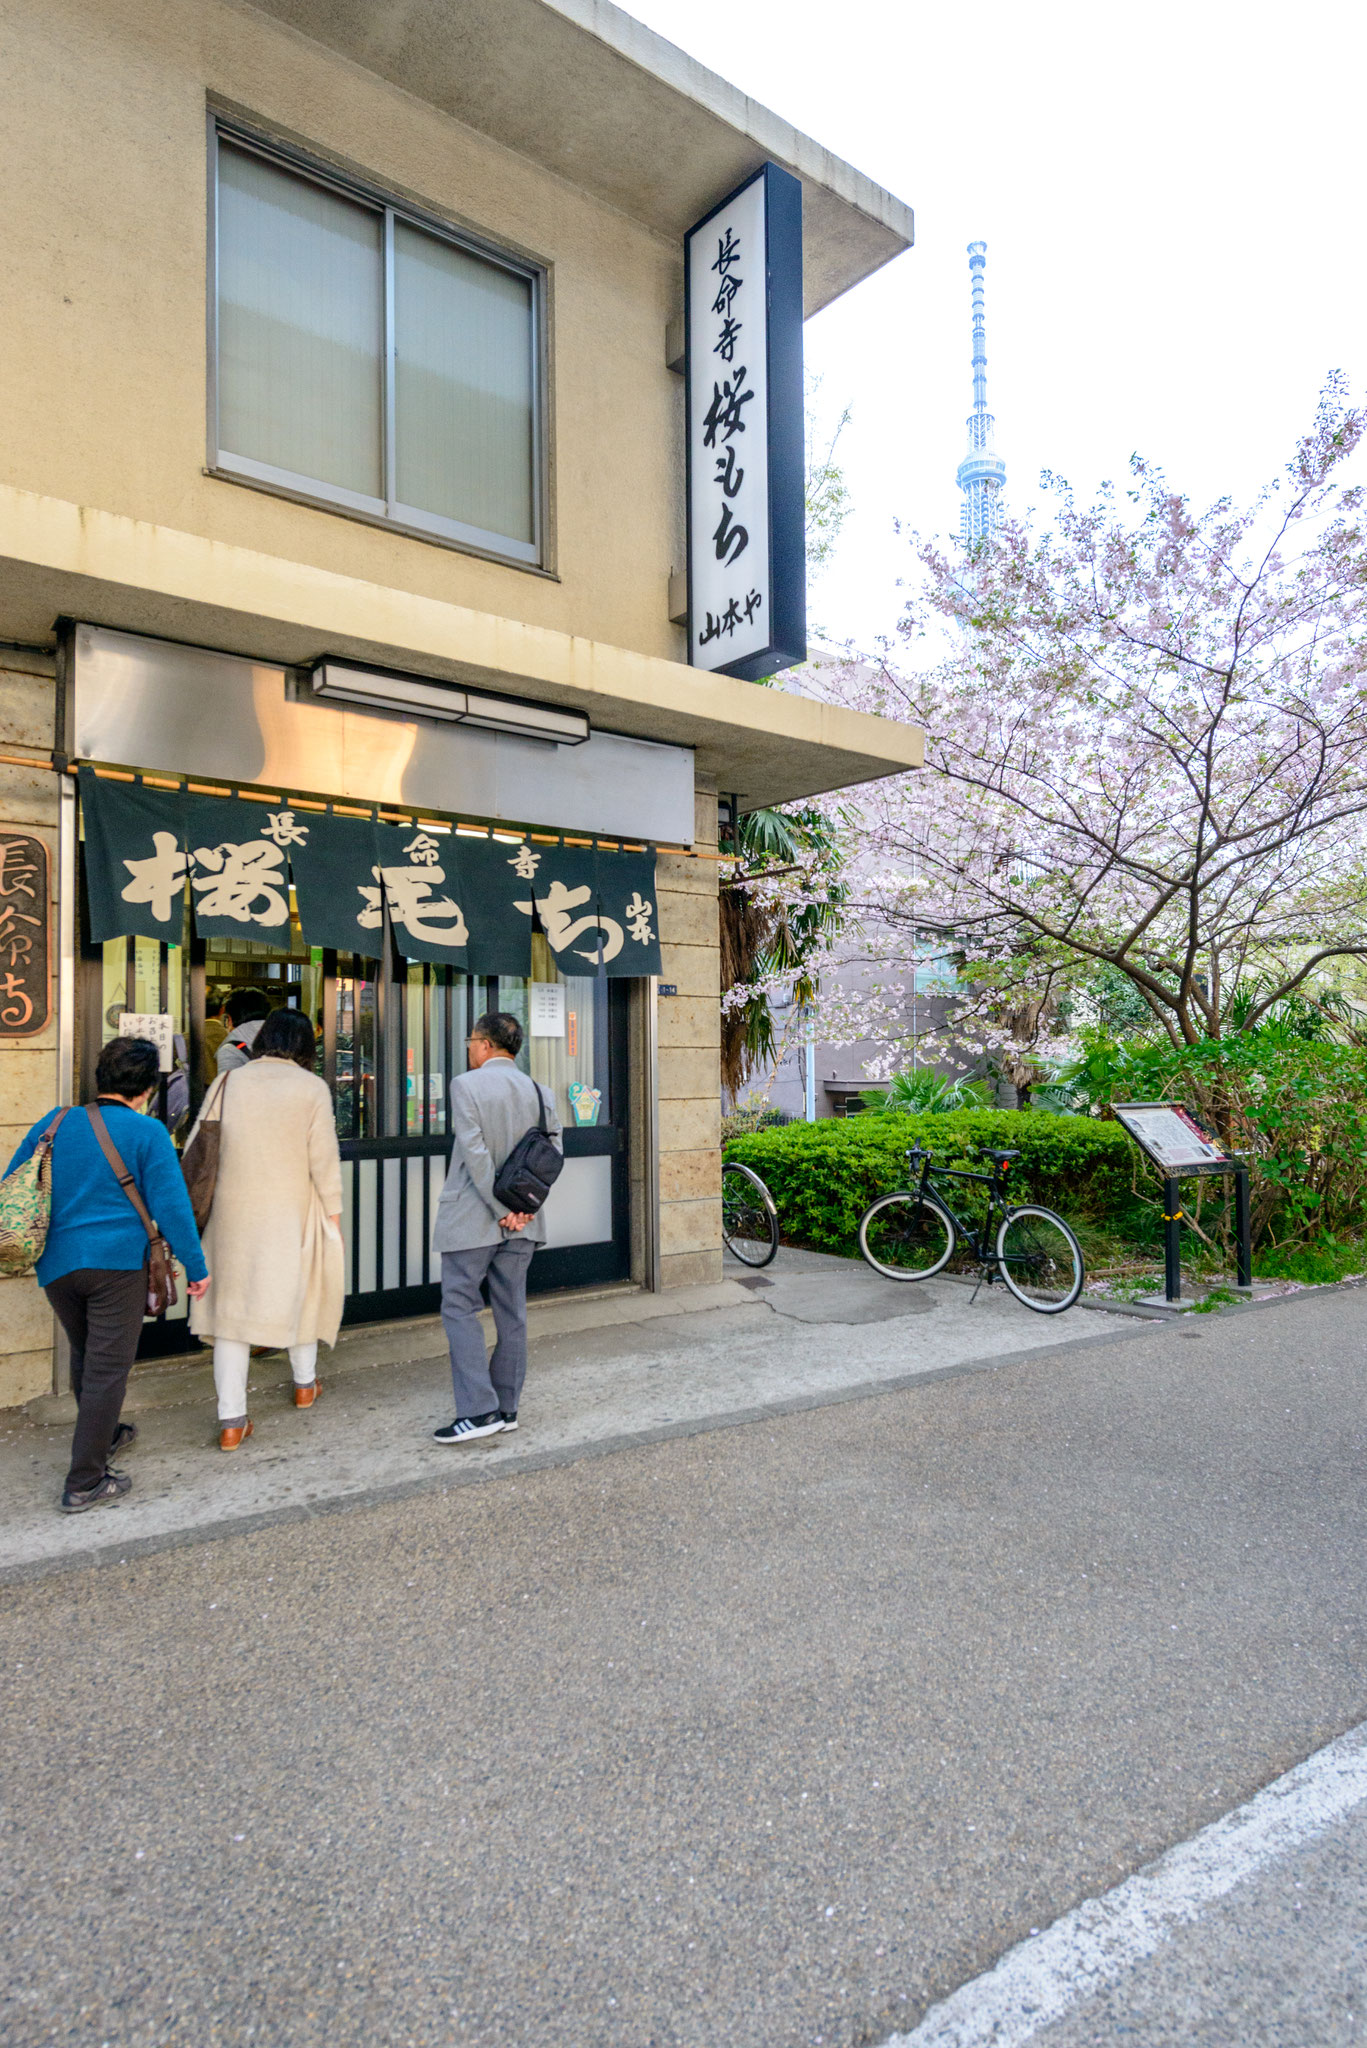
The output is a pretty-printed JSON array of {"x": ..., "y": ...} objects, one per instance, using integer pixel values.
[
  {"x": 747, "y": 570},
  {"x": 25, "y": 901}
]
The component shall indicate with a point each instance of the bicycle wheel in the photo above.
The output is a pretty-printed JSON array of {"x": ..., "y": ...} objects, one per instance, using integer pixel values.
[
  {"x": 1040, "y": 1260},
  {"x": 906, "y": 1237},
  {"x": 749, "y": 1220}
]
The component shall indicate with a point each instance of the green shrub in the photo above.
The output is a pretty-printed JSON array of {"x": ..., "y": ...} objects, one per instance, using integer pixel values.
[
  {"x": 750, "y": 1117},
  {"x": 1314, "y": 1265},
  {"x": 824, "y": 1175}
]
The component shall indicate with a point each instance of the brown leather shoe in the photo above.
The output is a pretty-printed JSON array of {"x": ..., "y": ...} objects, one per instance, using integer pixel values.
[
  {"x": 304, "y": 1397},
  {"x": 233, "y": 1439}
]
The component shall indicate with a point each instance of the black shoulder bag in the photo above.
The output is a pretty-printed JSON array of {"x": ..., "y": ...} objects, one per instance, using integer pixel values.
[{"x": 530, "y": 1171}]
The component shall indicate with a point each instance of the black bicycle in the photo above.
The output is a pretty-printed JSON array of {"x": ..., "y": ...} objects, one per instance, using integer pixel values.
[
  {"x": 913, "y": 1234},
  {"x": 749, "y": 1220}
]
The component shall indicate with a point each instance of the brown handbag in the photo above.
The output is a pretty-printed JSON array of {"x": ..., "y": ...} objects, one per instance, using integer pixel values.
[
  {"x": 199, "y": 1161},
  {"x": 161, "y": 1272}
]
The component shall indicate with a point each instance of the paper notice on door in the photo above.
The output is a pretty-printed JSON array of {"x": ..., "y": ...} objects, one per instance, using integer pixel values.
[
  {"x": 546, "y": 1009},
  {"x": 160, "y": 1027}
]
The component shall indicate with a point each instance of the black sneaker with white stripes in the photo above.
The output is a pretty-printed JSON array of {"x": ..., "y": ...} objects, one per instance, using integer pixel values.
[
  {"x": 465, "y": 1429},
  {"x": 508, "y": 1417}
]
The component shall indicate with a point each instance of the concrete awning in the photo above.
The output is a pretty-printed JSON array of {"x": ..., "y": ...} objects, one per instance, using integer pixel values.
[
  {"x": 591, "y": 94},
  {"x": 766, "y": 746}
]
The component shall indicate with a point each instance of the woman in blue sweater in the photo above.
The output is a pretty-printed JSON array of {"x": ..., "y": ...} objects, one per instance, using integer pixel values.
[{"x": 94, "y": 1264}]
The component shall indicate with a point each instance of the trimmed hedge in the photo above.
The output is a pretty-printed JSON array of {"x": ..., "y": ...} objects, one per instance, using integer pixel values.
[{"x": 824, "y": 1175}]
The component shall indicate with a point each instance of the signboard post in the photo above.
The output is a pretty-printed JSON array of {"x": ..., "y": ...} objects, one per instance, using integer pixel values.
[
  {"x": 1172, "y": 1138},
  {"x": 747, "y": 567}
]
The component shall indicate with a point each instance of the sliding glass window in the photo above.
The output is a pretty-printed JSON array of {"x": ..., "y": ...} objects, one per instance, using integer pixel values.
[{"x": 366, "y": 361}]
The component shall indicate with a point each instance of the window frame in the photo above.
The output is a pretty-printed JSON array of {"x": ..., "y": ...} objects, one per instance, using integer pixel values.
[{"x": 388, "y": 512}]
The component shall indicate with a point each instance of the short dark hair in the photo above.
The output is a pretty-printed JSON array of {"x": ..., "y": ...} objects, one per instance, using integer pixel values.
[
  {"x": 245, "y": 1005},
  {"x": 127, "y": 1066},
  {"x": 286, "y": 1035},
  {"x": 501, "y": 1030}
]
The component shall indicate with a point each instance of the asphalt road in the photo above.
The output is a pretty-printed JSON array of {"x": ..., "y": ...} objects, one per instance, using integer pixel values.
[{"x": 761, "y": 1737}]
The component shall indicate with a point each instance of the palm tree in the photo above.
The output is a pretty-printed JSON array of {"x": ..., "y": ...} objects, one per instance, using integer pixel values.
[{"x": 766, "y": 934}]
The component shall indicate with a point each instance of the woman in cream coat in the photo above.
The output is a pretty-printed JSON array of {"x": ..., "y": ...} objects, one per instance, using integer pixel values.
[{"x": 273, "y": 1237}]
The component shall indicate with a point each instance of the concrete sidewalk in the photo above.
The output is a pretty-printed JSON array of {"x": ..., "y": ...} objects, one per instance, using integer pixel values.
[{"x": 618, "y": 1369}]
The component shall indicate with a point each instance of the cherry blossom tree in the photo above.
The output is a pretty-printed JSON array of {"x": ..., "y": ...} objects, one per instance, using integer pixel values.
[{"x": 1146, "y": 749}]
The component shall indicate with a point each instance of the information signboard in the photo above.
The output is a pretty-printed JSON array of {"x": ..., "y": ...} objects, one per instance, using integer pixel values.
[
  {"x": 1172, "y": 1137},
  {"x": 1178, "y": 1146}
]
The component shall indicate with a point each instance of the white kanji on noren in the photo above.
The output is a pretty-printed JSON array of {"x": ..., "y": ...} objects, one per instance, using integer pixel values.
[
  {"x": 525, "y": 863},
  {"x": 160, "y": 879},
  {"x": 424, "y": 853},
  {"x": 285, "y": 829},
  {"x": 438, "y": 920},
  {"x": 244, "y": 883},
  {"x": 638, "y": 914},
  {"x": 561, "y": 929}
]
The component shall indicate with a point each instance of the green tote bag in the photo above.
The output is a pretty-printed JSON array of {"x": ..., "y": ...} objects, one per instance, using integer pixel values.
[{"x": 26, "y": 1206}]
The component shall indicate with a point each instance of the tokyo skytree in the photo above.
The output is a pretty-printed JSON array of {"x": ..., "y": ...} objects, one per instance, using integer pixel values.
[{"x": 982, "y": 472}]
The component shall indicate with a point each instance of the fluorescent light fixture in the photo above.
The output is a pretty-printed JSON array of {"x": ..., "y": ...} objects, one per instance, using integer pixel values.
[
  {"x": 449, "y": 702},
  {"x": 527, "y": 721},
  {"x": 387, "y": 693}
]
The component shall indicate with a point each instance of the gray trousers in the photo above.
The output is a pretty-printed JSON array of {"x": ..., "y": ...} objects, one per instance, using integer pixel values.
[{"x": 483, "y": 1383}]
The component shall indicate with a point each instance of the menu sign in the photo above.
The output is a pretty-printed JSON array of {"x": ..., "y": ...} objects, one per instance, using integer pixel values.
[
  {"x": 25, "y": 899},
  {"x": 1172, "y": 1138}
]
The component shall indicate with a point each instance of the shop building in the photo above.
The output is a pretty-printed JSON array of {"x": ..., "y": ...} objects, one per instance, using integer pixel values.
[{"x": 344, "y": 551}]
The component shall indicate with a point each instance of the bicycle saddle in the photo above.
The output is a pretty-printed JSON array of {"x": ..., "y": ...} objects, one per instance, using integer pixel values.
[{"x": 993, "y": 1152}]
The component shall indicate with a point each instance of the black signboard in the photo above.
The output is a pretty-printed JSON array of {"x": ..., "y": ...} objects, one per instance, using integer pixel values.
[{"x": 25, "y": 901}]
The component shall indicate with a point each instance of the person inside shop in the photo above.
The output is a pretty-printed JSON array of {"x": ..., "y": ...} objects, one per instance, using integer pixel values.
[
  {"x": 215, "y": 1031},
  {"x": 244, "y": 1012},
  {"x": 479, "y": 1238},
  {"x": 274, "y": 1234},
  {"x": 93, "y": 1266}
]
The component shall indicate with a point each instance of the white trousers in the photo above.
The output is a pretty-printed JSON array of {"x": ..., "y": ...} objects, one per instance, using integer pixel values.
[{"x": 231, "y": 1361}]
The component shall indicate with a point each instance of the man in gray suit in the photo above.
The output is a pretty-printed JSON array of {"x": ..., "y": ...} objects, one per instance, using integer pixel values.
[{"x": 492, "y": 1107}]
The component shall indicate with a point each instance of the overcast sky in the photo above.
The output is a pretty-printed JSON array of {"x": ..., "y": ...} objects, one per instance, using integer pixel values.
[{"x": 1172, "y": 199}]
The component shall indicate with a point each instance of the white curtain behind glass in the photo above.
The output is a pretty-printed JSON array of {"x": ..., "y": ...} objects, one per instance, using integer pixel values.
[
  {"x": 463, "y": 392},
  {"x": 300, "y": 325}
]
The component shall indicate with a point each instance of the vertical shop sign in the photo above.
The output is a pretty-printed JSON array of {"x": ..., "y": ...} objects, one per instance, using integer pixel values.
[
  {"x": 747, "y": 572},
  {"x": 25, "y": 904}
]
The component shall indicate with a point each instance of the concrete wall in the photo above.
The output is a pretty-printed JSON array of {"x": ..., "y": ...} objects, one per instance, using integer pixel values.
[
  {"x": 103, "y": 248},
  {"x": 690, "y": 1053},
  {"x": 28, "y": 1066}
]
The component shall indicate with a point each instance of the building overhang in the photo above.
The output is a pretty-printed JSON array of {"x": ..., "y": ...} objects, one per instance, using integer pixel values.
[
  {"x": 586, "y": 91},
  {"x": 766, "y": 746}
]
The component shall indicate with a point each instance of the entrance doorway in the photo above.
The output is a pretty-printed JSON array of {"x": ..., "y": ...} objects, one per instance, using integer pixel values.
[{"x": 391, "y": 1034}]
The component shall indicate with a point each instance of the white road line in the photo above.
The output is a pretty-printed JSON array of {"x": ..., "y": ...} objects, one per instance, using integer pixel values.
[{"x": 1046, "y": 1976}]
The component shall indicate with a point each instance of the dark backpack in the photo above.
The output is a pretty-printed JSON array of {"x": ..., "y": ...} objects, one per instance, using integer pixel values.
[{"x": 530, "y": 1171}]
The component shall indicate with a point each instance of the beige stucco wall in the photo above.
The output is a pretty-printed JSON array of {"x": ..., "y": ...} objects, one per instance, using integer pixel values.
[
  {"x": 28, "y": 1066},
  {"x": 689, "y": 1058},
  {"x": 103, "y": 248}
]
